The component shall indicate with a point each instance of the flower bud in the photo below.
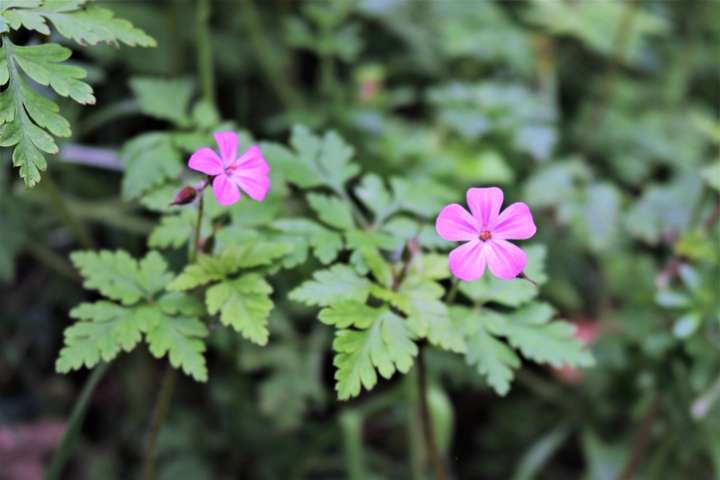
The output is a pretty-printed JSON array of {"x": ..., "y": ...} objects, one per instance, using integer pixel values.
[{"x": 185, "y": 196}]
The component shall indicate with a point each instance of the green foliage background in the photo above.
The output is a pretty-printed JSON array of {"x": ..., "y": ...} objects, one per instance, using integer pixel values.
[{"x": 602, "y": 116}]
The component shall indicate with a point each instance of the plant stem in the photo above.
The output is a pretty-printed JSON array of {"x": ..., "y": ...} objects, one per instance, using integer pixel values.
[
  {"x": 267, "y": 58},
  {"x": 425, "y": 420},
  {"x": 69, "y": 218},
  {"x": 351, "y": 426},
  {"x": 162, "y": 404},
  {"x": 204, "y": 51},
  {"x": 195, "y": 247},
  {"x": 452, "y": 293},
  {"x": 642, "y": 440},
  {"x": 413, "y": 432},
  {"x": 620, "y": 42},
  {"x": 69, "y": 439}
]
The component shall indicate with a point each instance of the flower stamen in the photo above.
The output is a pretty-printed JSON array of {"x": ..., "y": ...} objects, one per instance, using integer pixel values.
[{"x": 485, "y": 235}]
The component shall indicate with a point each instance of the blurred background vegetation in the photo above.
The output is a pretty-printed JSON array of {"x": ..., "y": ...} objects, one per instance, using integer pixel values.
[{"x": 601, "y": 115}]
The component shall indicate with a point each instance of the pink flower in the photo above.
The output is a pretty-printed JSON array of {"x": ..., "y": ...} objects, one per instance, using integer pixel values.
[
  {"x": 248, "y": 172},
  {"x": 486, "y": 232}
]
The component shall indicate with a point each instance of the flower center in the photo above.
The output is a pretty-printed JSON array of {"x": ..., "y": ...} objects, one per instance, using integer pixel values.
[{"x": 485, "y": 235}]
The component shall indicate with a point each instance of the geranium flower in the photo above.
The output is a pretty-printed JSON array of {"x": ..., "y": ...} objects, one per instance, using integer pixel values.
[
  {"x": 248, "y": 172},
  {"x": 486, "y": 232}
]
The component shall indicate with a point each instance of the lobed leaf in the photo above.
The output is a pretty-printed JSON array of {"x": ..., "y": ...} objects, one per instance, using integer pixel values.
[
  {"x": 335, "y": 285},
  {"x": 150, "y": 160},
  {"x": 492, "y": 358},
  {"x": 244, "y": 304},
  {"x": 386, "y": 346},
  {"x": 531, "y": 331},
  {"x": 319, "y": 161},
  {"x": 210, "y": 268},
  {"x": 332, "y": 210},
  {"x": 118, "y": 276},
  {"x": 164, "y": 99},
  {"x": 90, "y": 25},
  {"x": 325, "y": 243},
  {"x": 181, "y": 339},
  {"x": 104, "y": 330},
  {"x": 427, "y": 314}
]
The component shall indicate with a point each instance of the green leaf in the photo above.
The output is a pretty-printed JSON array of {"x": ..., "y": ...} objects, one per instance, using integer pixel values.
[
  {"x": 209, "y": 268},
  {"x": 372, "y": 192},
  {"x": 421, "y": 196},
  {"x": 379, "y": 267},
  {"x": 119, "y": 276},
  {"x": 664, "y": 209},
  {"x": 90, "y": 25},
  {"x": 164, "y": 99},
  {"x": 173, "y": 230},
  {"x": 324, "y": 161},
  {"x": 711, "y": 174},
  {"x": 335, "y": 285},
  {"x": 348, "y": 314},
  {"x": 601, "y": 215},
  {"x": 595, "y": 24},
  {"x": 332, "y": 210},
  {"x": 24, "y": 117},
  {"x": 181, "y": 338},
  {"x": 511, "y": 293},
  {"x": 104, "y": 330},
  {"x": 428, "y": 316},
  {"x": 151, "y": 159},
  {"x": 42, "y": 63},
  {"x": 492, "y": 358},
  {"x": 326, "y": 244},
  {"x": 178, "y": 303},
  {"x": 386, "y": 346},
  {"x": 244, "y": 304},
  {"x": 531, "y": 330}
]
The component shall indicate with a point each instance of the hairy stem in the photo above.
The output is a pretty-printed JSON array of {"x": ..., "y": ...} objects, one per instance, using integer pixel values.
[
  {"x": 162, "y": 406},
  {"x": 641, "y": 442},
  {"x": 204, "y": 51},
  {"x": 414, "y": 436},
  {"x": 266, "y": 56},
  {"x": 452, "y": 293},
  {"x": 197, "y": 239},
  {"x": 426, "y": 422},
  {"x": 351, "y": 422},
  {"x": 620, "y": 42},
  {"x": 68, "y": 216},
  {"x": 69, "y": 439}
]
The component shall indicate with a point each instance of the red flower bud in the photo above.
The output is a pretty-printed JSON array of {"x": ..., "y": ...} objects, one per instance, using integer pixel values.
[{"x": 185, "y": 196}]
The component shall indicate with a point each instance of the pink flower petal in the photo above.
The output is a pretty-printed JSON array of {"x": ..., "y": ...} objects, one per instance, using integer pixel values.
[
  {"x": 504, "y": 259},
  {"x": 467, "y": 262},
  {"x": 225, "y": 190},
  {"x": 206, "y": 161},
  {"x": 454, "y": 223},
  {"x": 485, "y": 205},
  {"x": 228, "y": 143},
  {"x": 515, "y": 223},
  {"x": 251, "y": 173}
]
